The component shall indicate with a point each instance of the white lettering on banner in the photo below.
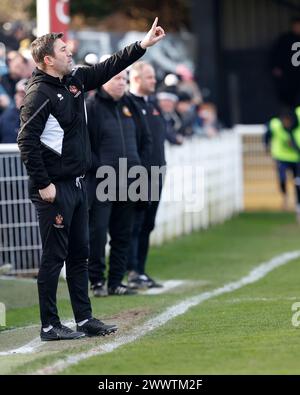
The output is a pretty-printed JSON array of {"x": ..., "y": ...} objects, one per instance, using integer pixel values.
[{"x": 60, "y": 12}]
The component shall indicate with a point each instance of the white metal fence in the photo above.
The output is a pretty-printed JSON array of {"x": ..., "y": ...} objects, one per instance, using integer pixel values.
[
  {"x": 220, "y": 164},
  {"x": 220, "y": 159},
  {"x": 19, "y": 233}
]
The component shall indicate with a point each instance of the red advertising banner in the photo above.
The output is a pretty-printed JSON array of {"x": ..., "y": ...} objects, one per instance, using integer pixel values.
[{"x": 59, "y": 16}]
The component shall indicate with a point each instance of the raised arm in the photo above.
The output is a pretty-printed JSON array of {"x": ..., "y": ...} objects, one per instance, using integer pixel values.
[{"x": 94, "y": 76}]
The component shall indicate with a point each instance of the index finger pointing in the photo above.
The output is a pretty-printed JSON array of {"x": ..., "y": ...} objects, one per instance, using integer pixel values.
[{"x": 154, "y": 23}]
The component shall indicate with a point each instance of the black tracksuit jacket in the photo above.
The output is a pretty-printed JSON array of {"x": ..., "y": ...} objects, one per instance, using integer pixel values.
[
  {"x": 53, "y": 137},
  {"x": 157, "y": 126},
  {"x": 117, "y": 130}
]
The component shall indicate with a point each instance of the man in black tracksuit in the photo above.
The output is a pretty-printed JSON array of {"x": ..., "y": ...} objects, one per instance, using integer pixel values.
[
  {"x": 142, "y": 87},
  {"x": 55, "y": 148},
  {"x": 117, "y": 132}
]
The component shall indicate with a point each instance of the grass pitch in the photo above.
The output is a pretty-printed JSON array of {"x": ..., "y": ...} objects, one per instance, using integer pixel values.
[{"x": 248, "y": 331}]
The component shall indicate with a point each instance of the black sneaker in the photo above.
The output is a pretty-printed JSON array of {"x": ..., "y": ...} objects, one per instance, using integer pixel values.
[
  {"x": 149, "y": 281},
  {"x": 94, "y": 327},
  {"x": 60, "y": 333},
  {"x": 121, "y": 290},
  {"x": 99, "y": 290},
  {"x": 135, "y": 282}
]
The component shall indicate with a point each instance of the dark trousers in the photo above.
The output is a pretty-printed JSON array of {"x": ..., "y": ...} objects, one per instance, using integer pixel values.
[
  {"x": 282, "y": 168},
  {"x": 144, "y": 223},
  {"x": 117, "y": 219},
  {"x": 64, "y": 232}
]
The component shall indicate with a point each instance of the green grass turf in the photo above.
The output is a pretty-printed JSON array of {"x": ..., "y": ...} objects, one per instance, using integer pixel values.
[{"x": 231, "y": 334}]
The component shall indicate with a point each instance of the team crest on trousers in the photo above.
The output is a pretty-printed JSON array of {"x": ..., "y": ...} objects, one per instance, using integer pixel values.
[{"x": 59, "y": 219}]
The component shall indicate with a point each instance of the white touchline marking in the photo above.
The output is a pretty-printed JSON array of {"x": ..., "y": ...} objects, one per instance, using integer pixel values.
[
  {"x": 167, "y": 286},
  {"x": 13, "y": 278},
  {"x": 261, "y": 299},
  {"x": 26, "y": 349},
  {"x": 174, "y": 311},
  {"x": 19, "y": 328},
  {"x": 31, "y": 346}
]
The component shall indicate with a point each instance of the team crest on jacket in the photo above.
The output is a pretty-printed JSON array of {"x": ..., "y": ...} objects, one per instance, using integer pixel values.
[
  {"x": 59, "y": 219},
  {"x": 155, "y": 112},
  {"x": 74, "y": 90},
  {"x": 126, "y": 111}
]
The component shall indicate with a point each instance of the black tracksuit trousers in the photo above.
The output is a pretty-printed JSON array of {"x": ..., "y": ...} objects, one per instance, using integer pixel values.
[
  {"x": 144, "y": 223},
  {"x": 64, "y": 232},
  {"x": 117, "y": 219}
]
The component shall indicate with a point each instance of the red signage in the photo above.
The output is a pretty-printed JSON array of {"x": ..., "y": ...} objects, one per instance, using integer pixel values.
[{"x": 59, "y": 16}]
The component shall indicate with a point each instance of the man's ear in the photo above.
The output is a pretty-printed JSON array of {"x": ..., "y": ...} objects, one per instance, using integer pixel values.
[{"x": 48, "y": 60}]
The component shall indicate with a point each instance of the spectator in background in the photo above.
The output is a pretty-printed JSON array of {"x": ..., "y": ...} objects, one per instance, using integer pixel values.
[
  {"x": 7, "y": 37},
  {"x": 285, "y": 75},
  {"x": 187, "y": 84},
  {"x": 187, "y": 113},
  {"x": 18, "y": 68},
  {"x": 206, "y": 123},
  {"x": 142, "y": 90},
  {"x": 4, "y": 99},
  {"x": 10, "y": 119},
  {"x": 167, "y": 102},
  {"x": 3, "y": 66},
  {"x": 283, "y": 137}
]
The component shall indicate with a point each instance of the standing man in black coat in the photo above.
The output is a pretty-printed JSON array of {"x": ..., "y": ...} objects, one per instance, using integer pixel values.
[
  {"x": 55, "y": 149},
  {"x": 118, "y": 135},
  {"x": 142, "y": 88}
]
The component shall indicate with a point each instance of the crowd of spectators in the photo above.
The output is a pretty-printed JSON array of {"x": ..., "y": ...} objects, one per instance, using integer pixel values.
[
  {"x": 178, "y": 96},
  {"x": 16, "y": 66}
]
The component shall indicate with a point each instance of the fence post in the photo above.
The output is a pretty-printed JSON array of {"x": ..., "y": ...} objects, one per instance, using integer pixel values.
[{"x": 2, "y": 314}]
